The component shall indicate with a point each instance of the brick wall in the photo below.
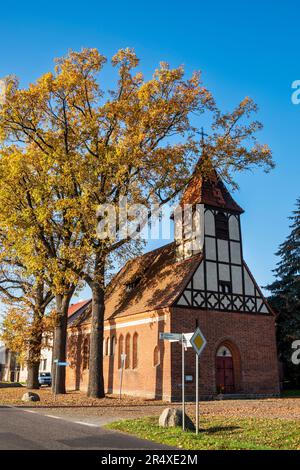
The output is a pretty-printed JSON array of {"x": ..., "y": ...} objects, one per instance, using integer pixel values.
[
  {"x": 251, "y": 339},
  {"x": 145, "y": 380}
]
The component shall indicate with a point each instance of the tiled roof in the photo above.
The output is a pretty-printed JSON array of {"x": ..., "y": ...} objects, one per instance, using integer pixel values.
[
  {"x": 160, "y": 281},
  {"x": 206, "y": 187},
  {"x": 157, "y": 279},
  {"x": 74, "y": 308}
]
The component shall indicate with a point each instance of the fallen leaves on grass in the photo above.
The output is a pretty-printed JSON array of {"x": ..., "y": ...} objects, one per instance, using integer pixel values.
[{"x": 219, "y": 434}]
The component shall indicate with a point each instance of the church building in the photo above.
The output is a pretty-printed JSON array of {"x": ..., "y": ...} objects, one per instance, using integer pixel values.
[{"x": 176, "y": 288}]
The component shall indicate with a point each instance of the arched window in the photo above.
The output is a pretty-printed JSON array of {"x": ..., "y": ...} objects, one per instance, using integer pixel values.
[
  {"x": 107, "y": 346},
  {"x": 120, "y": 350},
  {"x": 86, "y": 352},
  {"x": 156, "y": 356},
  {"x": 223, "y": 351},
  {"x": 135, "y": 351},
  {"x": 127, "y": 351},
  {"x": 112, "y": 345}
]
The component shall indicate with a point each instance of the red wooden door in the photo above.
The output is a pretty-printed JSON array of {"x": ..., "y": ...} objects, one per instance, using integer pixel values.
[{"x": 224, "y": 374}]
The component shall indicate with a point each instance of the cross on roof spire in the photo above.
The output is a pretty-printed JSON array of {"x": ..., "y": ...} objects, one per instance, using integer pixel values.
[{"x": 202, "y": 133}]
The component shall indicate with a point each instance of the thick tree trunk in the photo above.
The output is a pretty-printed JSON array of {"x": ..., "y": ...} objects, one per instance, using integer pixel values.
[
  {"x": 96, "y": 382},
  {"x": 33, "y": 375},
  {"x": 34, "y": 350},
  {"x": 60, "y": 343}
]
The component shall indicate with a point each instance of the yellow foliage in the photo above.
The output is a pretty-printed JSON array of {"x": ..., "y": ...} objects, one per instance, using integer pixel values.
[{"x": 68, "y": 146}]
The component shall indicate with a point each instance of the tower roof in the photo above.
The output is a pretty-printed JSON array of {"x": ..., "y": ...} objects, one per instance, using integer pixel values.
[{"x": 206, "y": 187}]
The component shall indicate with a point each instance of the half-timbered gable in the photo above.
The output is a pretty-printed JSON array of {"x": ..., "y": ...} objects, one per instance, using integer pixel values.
[{"x": 223, "y": 281}]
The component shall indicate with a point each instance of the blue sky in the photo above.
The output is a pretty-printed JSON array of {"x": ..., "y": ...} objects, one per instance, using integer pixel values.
[{"x": 242, "y": 48}]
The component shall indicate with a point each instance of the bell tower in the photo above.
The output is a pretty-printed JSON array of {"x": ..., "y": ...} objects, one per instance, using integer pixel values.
[
  {"x": 222, "y": 280},
  {"x": 205, "y": 205}
]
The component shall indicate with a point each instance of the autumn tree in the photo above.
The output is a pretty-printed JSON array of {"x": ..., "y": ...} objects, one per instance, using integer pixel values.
[
  {"x": 18, "y": 331},
  {"x": 136, "y": 142},
  {"x": 14, "y": 331},
  {"x": 34, "y": 236},
  {"x": 27, "y": 296}
]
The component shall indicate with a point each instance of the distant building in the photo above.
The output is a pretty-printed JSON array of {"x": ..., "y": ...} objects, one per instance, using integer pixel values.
[
  {"x": 45, "y": 362},
  {"x": 9, "y": 368},
  {"x": 174, "y": 289}
]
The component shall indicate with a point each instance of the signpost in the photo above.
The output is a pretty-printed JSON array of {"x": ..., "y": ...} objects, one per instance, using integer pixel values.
[
  {"x": 57, "y": 365},
  {"x": 198, "y": 342},
  {"x": 183, "y": 381},
  {"x": 123, "y": 359},
  {"x": 184, "y": 339},
  {"x": 194, "y": 340}
]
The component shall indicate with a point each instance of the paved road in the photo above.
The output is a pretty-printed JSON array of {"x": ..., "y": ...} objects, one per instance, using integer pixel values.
[{"x": 20, "y": 429}]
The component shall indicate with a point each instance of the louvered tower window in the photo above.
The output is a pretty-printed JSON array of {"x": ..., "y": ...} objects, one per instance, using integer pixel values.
[{"x": 222, "y": 229}]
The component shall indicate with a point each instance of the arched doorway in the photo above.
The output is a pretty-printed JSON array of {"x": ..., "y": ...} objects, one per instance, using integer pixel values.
[{"x": 224, "y": 370}]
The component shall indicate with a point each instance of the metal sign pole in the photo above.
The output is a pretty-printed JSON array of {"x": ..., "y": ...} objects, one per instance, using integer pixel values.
[
  {"x": 197, "y": 393},
  {"x": 121, "y": 379},
  {"x": 183, "y": 383},
  {"x": 56, "y": 377},
  {"x": 123, "y": 357},
  {"x": 55, "y": 370},
  {"x": 198, "y": 342},
  {"x": 55, "y": 384}
]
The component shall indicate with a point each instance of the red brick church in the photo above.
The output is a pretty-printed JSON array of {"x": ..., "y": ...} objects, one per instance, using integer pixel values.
[{"x": 175, "y": 289}]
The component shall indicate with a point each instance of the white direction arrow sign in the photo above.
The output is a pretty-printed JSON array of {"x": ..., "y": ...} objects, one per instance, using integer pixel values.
[{"x": 187, "y": 339}]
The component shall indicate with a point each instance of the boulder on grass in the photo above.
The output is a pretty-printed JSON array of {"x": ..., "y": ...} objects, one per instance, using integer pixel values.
[
  {"x": 30, "y": 396},
  {"x": 172, "y": 417}
]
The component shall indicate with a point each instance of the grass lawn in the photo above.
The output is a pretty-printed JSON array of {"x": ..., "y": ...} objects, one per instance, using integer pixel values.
[
  {"x": 291, "y": 393},
  {"x": 219, "y": 433}
]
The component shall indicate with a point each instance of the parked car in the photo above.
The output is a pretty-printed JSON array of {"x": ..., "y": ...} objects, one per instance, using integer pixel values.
[{"x": 45, "y": 378}]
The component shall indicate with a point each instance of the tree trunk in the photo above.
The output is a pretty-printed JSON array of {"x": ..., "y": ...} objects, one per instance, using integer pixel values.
[
  {"x": 34, "y": 350},
  {"x": 96, "y": 382},
  {"x": 33, "y": 375},
  {"x": 60, "y": 342}
]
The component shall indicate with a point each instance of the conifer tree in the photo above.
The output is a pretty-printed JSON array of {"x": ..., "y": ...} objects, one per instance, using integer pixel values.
[{"x": 285, "y": 297}]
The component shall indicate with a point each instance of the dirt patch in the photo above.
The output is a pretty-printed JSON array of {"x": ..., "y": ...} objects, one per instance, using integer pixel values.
[
  {"x": 282, "y": 408},
  {"x": 13, "y": 396}
]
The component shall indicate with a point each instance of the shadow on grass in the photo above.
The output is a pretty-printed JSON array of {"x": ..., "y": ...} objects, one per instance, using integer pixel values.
[
  {"x": 10, "y": 385},
  {"x": 217, "y": 429},
  {"x": 290, "y": 394}
]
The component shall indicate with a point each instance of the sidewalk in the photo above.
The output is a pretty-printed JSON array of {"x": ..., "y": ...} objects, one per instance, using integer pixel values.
[{"x": 98, "y": 416}]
